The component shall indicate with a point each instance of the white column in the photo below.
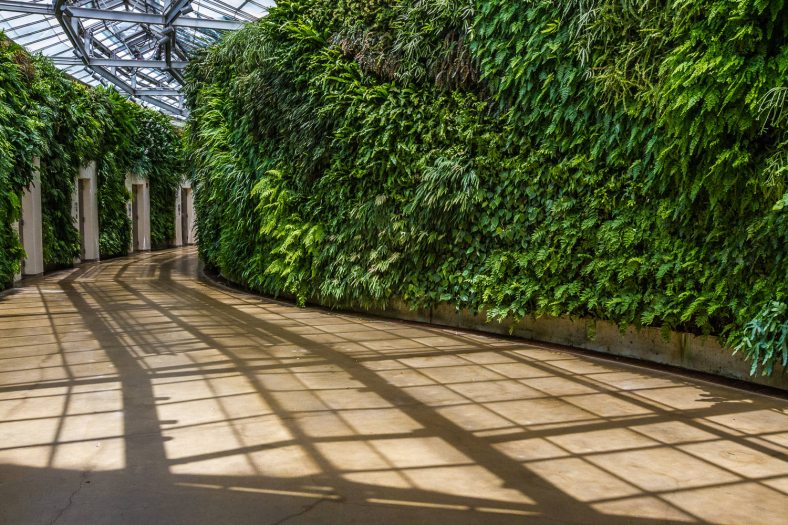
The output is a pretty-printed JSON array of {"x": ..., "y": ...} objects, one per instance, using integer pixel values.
[
  {"x": 184, "y": 235},
  {"x": 178, "y": 220},
  {"x": 144, "y": 216},
  {"x": 139, "y": 188},
  {"x": 190, "y": 237},
  {"x": 75, "y": 210},
  {"x": 90, "y": 242},
  {"x": 32, "y": 235},
  {"x": 129, "y": 212},
  {"x": 15, "y": 227}
]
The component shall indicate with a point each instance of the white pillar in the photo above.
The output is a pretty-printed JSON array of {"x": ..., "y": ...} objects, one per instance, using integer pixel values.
[
  {"x": 31, "y": 226},
  {"x": 144, "y": 215},
  {"x": 89, "y": 194},
  {"x": 75, "y": 212},
  {"x": 184, "y": 215},
  {"x": 178, "y": 218},
  {"x": 17, "y": 276},
  {"x": 139, "y": 210},
  {"x": 190, "y": 238},
  {"x": 129, "y": 211}
]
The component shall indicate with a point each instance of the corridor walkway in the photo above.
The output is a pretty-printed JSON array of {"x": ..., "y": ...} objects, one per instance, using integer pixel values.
[{"x": 133, "y": 392}]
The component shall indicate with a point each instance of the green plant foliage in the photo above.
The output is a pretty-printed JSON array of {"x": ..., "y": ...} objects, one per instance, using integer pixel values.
[
  {"x": 19, "y": 140},
  {"x": 74, "y": 118},
  {"x": 115, "y": 163},
  {"x": 45, "y": 114},
  {"x": 161, "y": 161},
  {"x": 766, "y": 338},
  {"x": 614, "y": 160},
  {"x": 142, "y": 142}
]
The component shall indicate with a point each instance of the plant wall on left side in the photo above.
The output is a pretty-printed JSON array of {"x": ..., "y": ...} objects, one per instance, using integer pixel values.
[
  {"x": 46, "y": 114},
  {"x": 19, "y": 140}
]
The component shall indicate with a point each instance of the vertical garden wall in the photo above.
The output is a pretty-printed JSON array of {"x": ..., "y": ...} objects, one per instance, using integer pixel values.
[
  {"x": 20, "y": 139},
  {"x": 45, "y": 114},
  {"x": 162, "y": 162},
  {"x": 615, "y": 160}
]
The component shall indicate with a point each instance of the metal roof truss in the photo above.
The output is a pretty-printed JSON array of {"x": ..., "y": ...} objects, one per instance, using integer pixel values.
[{"x": 139, "y": 46}]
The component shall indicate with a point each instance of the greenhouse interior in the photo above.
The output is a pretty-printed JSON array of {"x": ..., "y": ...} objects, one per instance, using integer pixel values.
[{"x": 393, "y": 262}]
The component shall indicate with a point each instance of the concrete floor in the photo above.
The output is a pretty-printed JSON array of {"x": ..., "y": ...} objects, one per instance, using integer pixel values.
[{"x": 132, "y": 392}]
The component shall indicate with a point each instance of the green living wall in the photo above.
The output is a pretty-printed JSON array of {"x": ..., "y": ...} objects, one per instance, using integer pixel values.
[
  {"x": 45, "y": 114},
  {"x": 614, "y": 160},
  {"x": 19, "y": 139},
  {"x": 143, "y": 142},
  {"x": 161, "y": 161}
]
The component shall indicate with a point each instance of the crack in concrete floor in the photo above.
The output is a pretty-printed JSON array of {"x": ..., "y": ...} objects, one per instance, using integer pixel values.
[{"x": 82, "y": 482}]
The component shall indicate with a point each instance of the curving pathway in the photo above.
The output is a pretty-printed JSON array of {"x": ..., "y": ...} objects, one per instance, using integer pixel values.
[{"x": 133, "y": 392}]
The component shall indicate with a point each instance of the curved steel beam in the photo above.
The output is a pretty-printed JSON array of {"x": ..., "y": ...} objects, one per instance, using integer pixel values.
[{"x": 136, "y": 47}]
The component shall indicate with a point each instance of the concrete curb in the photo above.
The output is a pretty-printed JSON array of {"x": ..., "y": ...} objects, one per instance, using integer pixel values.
[{"x": 684, "y": 351}]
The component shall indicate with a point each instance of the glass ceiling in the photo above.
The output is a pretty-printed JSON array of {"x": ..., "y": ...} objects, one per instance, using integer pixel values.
[{"x": 138, "y": 46}]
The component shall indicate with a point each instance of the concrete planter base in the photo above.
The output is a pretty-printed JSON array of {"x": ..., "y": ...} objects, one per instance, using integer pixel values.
[{"x": 683, "y": 350}]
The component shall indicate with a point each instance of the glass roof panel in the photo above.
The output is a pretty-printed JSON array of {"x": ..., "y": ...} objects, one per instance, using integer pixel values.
[{"x": 154, "y": 34}]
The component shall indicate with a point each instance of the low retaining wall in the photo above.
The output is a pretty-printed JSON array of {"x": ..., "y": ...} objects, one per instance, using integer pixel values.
[{"x": 683, "y": 350}]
